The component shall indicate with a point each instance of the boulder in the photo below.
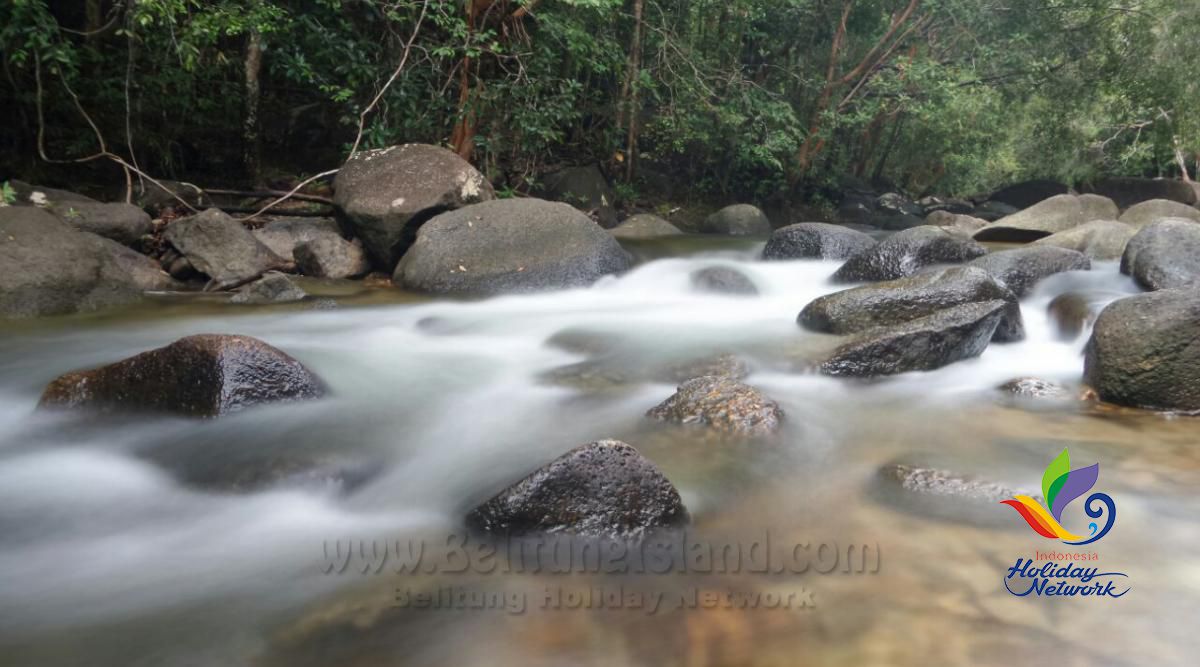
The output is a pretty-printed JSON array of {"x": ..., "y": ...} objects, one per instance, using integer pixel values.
[
  {"x": 898, "y": 301},
  {"x": 1129, "y": 191},
  {"x": 1145, "y": 352},
  {"x": 124, "y": 223},
  {"x": 1071, "y": 313},
  {"x": 720, "y": 403},
  {"x": 723, "y": 280},
  {"x": 1027, "y": 193},
  {"x": 644, "y": 226},
  {"x": 49, "y": 268},
  {"x": 166, "y": 194},
  {"x": 1034, "y": 388},
  {"x": 601, "y": 489},
  {"x": 1164, "y": 255},
  {"x": 331, "y": 257},
  {"x": 1051, "y": 216},
  {"x": 1101, "y": 240},
  {"x": 29, "y": 194},
  {"x": 208, "y": 375},
  {"x": 991, "y": 211},
  {"x": 145, "y": 274},
  {"x": 586, "y": 189},
  {"x": 273, "y": 287},
  {"x": 907, "y": 252},
  {"x": 1020, "y": 269},
  {"x": 383, "y": 196},
  {"x": 815, "y": 240},
  {"x": 1140, "y": 215},
  {"x": 923, "y": 344},
  {"x": 221, "y": 248},
  {"x": 282, "y": 235},
  {"x": 957, "y": 223},
  {"x": 737, "y": 220},
  {"x": 510, "y": 245}
]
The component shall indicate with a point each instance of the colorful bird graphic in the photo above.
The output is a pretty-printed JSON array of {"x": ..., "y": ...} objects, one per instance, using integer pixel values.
[{"x": 1061, "y": 486}]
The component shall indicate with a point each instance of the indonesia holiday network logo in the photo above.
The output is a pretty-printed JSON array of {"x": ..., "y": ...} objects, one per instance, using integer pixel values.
[{"x": 1060, "y": 487}]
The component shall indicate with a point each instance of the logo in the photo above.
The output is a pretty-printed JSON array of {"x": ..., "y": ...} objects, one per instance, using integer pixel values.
[{"x": 1060, "y": 487}]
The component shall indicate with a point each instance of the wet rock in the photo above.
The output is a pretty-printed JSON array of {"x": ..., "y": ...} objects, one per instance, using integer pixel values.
[
  {"x": 602, "y": 489},
  {"x": 645, "y": 226},
  {"x": 1071, "y": 313},
  {"x": 938, "y": 493},
  {"x": 1020, "y": 269},
  {"x": 923, "y": 344},
  {"x": 221, "y": 248},
  {"x": 935, "y": 482},
  {"x": 963, "y": 225},
  {"x": 723, "y": 280},
  {"x": 722, "y": 404},
  {"x": 991, "y": 211},
  {"x": 385, "y": 195},
  {"x": 1164, "y": 255},
  {"x": 586, "y": 189},
  {"x": 29, "y": 194},
  {"x": 1101, "y": 240},
  {"x": 284, "y": 234},
  {"x": 583, "y": 341},
  {"x": 621, "y": 371},
  {"x": 1144, "y": 351},
  {"x": 898, "y": 301},
  {"x": 1127, "y": 192},
  {"x": 815, "y": 240},
  {"x": 1056, "y": 214},
  {"x": 143, "y": 273},
  {"x": 156, "y": 198},
  {"x": 1034, "y": 388},
  {"x": 1027, "y": 193},
  {"x": 1140, "y": 215},
  {"x": 124, "y": 223},
  {"x": 907, "y": 252},
  {"x": 737, "y": 220},
  {"x": 724, "y": 365},
  {"x": 273, "y": 287},
  {"x": 331, "y": 257},
  {"x": 511, "y": 245},
  {"x": 207, "y": 375}
]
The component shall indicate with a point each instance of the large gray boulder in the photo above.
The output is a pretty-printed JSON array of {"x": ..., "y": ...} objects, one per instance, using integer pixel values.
[
  {"x": 815, "y": 240},
  {"x": 1164, "y": 255},
  {"x": 1129, "y": 191},
  {"x": 384, "y": 195},
  {"x": 1051, "y": 216},
  {"x": 1140, "y": 215},
  {"x": 1020, "y": 269},
  {"x": 906, "y": 253},
  {"x": 586, "y": 189},
  {"x": 1145, "y": 352},
  {"x": 737, "y": 220},
  {"x": 643, "y": 226},
  {"x": 49, "y": 268},
  {"x": 1027, "y": 193},
  {"x": 722, "y": 404},
  {"x": 601, "y": 489},
  {"x": 283, "y": 235},
  {"x": 123, "y": 223},
  {"x": 923, "y": 344},
  {"x": 509, "y": 245},
  {"x": 898, "y": 301},
  {"x": 1101, "y": 240},
  {"x": 331, "y": 257},
  {"x": 207, "y": 375},
  {"x": 221, "y": 248}
]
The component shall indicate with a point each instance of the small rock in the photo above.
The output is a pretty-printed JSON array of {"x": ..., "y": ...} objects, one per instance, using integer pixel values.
[
  {"x": 273, "y": 287},
  {"x": 722, "y": 404},
  {"x": 737, "y": 220},
  {"x": 723, "y": 280},
  {"x": 282, "y": 235},
  {"x": 1034, "y": 388},
  {"x": 331, "y": 257},
  {"x": 645, "y": 226},
  {"x": 815, "y": 240},
  {"x": 1071, "y": 313}
]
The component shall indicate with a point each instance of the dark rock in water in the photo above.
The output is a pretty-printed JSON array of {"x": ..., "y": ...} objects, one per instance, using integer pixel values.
[
  {"x": 331, "y": 257},
  {"x": 937, "y": 493},
  {"x": 273, "y": 287},
  {"x": 894, "y": 203},
  {"x": 29, "y": 194},
  {"x": 645, "y": 226},
  {"x": 1101, "y": 240},
  {"x": 1145, "y": 352},
  {"x": 1071, "y": 313},
  {"x": 723, "y": 280},
  {"x": 1164, "y": 255},
  {"x": 618, "y": 371},
  {"x": 1051, "y": 216},
  {"x": 947, "y": 205},
  {"x": 1020, "y": 269},
  {"x": 157, "y": 198},
  {"x": 221, "y": 248},
  {"x": 1140, "y": 215},
  {"x": 737, "y": 220},
  {"x": 1034, "y": 388},
  {"x": 907, "y": 252},
  {"x": 283, "y": 235},
  {"x": 602, "y": 489},
  {"x": 1129, "y": 191},
  {"x": 207, "y": 375},
  {"x": 583, "y": 341},
  {"x": 934, "y": 482},
  {"x": 991, "y": 211},
  {"x": 922, "y": 344},
  {"x": 385, "y": 195},
  {"x": 509, "y": 245},
  {"x": 815, "y": 240},
  {"x": 1027, "y": 193},
  {"x": 722, "y": 404},
  {"x": 899, "y": 301},
  {"x": 586, "y": 189},
  {"x": 124, "y": 223}
]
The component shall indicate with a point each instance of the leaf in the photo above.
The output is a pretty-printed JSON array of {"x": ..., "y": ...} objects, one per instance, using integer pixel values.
[
  {"x": 1058, "y": 467},
  {"x": 1075, "y": 484}
]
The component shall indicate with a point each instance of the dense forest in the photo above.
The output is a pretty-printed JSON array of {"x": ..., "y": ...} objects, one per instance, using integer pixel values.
[{"x": 719, "y": 99}]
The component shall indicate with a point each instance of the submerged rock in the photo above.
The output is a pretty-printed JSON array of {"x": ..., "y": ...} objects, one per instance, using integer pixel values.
[
  {"x": 1020, "y": 269},
  {"x": 737, "y": 220},
  {"x": 944, "y": 494},
  {"x": 221, "y": 248},
  {"x": 907, "y": 252},
  {"x": 1101, "y": 240},
  {"x": 602, "y": 489},
  {"x": 722, "y": 404},
  {"x": 815, "y": 240},
  {"x": 1144, "y": 351},
  {"x": 935, "y": 482},
  {"x": 1056, "y": 214},
  {"x": 618, "y": 371},
  {"x": 207, "y": 375},
  {"x": 1164, "y": 255},
  {"x": 1034, "y": 388},
  {"x": 723, "y": 280},
  {"x": 273, "y": 287},
  {"x": 1071, "y": 313},
  {"x": 645, "y": 226},
  {"x": 1140, "y": 215}
]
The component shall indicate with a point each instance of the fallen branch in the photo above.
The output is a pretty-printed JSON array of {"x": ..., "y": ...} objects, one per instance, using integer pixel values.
[
  {"x": 266, "y": 194},
  {"x": 289, "y": 195}
]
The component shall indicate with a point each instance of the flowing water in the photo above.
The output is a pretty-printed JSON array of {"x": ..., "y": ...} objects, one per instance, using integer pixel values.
[{"x": 147, "y": 541}]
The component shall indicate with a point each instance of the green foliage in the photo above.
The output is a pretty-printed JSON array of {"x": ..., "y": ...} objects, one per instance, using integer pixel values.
[{"x": 8, "y": 196}]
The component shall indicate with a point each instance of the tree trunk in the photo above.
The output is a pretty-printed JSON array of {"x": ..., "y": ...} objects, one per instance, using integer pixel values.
[
  {"x": 251, "y": 146},
  {"x": 630, "y": 93}
]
